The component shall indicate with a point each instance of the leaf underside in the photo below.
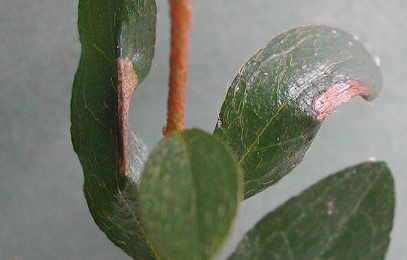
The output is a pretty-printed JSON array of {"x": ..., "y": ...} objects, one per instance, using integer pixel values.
[
  {"x": 348, "y": 215},
  {"x": 279, "y": 98},
  {"x": 189, "y": 194},
  {"x": 118, "y": 39}
]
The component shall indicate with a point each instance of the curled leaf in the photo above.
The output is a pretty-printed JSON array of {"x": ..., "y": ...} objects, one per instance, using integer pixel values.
[
  {"x": 279, "y": 98},
  {"x": 118, "y": 39}
]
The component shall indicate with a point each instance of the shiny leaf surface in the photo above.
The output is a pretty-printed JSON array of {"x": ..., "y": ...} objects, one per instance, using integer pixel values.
[{"x": 279, "y": 98}]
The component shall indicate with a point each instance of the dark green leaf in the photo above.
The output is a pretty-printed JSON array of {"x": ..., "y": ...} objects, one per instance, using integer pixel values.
[
  {"x": 279, "y": 98},
  {"x": 117, "y": 40},
  {"x": 348, "y": 215},
  {"x": 189, "y": 193}
]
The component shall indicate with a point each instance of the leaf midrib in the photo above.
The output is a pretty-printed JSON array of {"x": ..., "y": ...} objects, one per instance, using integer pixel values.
[
  {"x": 335, "y": 234},
  {"x": 249, "y": 150},
  {"x": 193, "y": 197}
]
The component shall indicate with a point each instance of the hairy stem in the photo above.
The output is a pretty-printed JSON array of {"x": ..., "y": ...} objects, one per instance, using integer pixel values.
[{"x": 181, "y": 15}]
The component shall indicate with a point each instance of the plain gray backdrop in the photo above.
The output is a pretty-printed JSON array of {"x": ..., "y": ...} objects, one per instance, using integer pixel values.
[{"x": 43, "y": 213}]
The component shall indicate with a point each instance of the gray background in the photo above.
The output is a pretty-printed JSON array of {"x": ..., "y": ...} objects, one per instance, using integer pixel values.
[{"x": 43, "y": 214}]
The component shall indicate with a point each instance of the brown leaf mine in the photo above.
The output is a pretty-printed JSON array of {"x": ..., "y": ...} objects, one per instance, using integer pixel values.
[
  {"x": 128, "y": 82},
  {"x": 337, "y": 94}
]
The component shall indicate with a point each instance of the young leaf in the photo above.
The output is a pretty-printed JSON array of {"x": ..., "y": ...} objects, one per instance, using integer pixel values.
[
  {"x": 117, "y": 40},
  {"x": 279, "y": 98},
  {"x": 189, "y": 193},
  {"x": 348, "y": 215}
]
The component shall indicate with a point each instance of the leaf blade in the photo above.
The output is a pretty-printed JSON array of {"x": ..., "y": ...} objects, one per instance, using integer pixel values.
[
  {"x": 189, "y": 194},
  {"x": 117, "y": 39},
  {"x": 279, "y": 98},
  {"x": 328, "y": 220}
]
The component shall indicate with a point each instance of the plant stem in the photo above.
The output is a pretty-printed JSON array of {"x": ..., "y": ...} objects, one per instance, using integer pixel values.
[{"x": 181, "y": 16}]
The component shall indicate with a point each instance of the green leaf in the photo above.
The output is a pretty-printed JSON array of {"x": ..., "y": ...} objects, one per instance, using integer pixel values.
[
  {"x": 348, "y": 215},
  {"x": 190, "y": 190},
  {"x": 117, "y": 40},
  {"x": 279, "y": 98}
]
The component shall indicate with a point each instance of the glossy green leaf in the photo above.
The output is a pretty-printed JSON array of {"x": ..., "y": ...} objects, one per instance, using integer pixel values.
[
  {"x": 348, "y": 215},
  {"x": 117, "y": 40},
  {"x": 279, "y": 98},
  {"x": 189, "y": 193}
]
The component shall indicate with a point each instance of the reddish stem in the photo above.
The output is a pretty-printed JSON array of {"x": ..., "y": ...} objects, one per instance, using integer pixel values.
[{"x": 181, "y": 15}]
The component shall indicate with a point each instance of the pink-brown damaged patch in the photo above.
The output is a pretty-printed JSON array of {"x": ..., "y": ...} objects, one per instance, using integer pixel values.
[
  {"x": 128, "y": 82},
  {"x": 337, "y": 94}
]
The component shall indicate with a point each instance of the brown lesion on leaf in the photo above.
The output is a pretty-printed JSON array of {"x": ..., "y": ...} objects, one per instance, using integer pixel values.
[
  {"x": 337, "y": 94},
  {"x": 128, "y": 82}
]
